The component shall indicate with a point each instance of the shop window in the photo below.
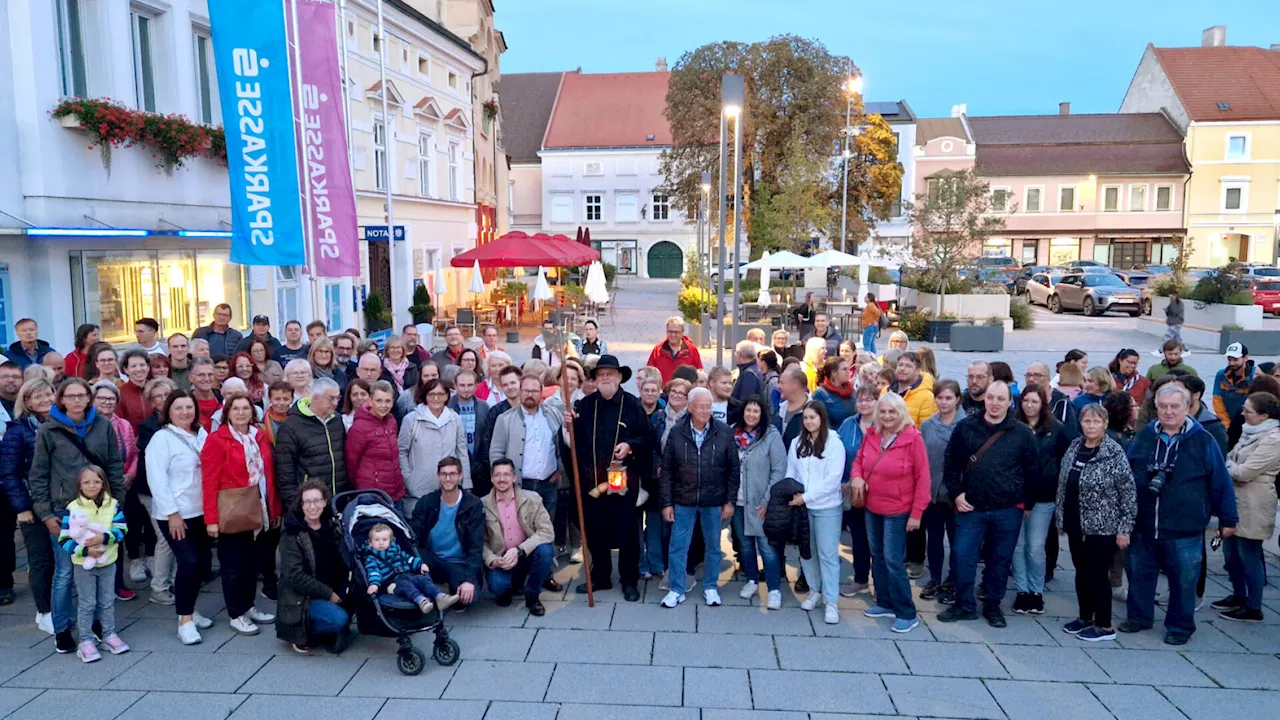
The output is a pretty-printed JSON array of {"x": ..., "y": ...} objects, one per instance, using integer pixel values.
[{"x": 1064, "y": 250}]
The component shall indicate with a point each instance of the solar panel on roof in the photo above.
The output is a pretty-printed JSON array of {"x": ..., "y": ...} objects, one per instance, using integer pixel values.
[{"x": 1224, "y": 106}]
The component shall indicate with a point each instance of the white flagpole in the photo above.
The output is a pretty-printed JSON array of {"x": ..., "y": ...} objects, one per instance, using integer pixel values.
[
  {"x": 389, "y": 141},
  {"x": 348, "y": 312},
  {"x": 310, "y": 295}
]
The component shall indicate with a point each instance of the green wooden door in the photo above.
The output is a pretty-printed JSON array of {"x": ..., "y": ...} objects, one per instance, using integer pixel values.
[{"x": 665, "y": 260}]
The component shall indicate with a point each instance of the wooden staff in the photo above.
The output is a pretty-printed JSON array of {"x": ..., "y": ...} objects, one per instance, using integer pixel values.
[{"x": 573, "y": 473}]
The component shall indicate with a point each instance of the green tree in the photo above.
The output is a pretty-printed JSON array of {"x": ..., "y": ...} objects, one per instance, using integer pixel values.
[
  {"x": 950, "y": 222},
  {"x": 802, "y": 204},
  {"x": 875, "y": 178}
]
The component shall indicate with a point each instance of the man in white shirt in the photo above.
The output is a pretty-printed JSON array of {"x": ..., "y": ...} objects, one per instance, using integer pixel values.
[
  {"x": 146, "y": 330},
  {"x": 528, "y": 435}
]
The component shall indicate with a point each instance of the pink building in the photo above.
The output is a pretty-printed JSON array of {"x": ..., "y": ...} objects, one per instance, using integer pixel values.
[{"x": 1072, "y": 187}]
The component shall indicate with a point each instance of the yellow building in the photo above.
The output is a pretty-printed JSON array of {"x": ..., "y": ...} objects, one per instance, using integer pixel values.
[{"x": 1226, "y": 100}]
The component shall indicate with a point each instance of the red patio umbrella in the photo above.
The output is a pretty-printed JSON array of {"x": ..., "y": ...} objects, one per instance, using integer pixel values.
[
  {"x": 517, "y": 249},
  {"x": 581, "y": 254}
]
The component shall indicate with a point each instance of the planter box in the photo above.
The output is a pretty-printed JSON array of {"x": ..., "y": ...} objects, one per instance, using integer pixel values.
[
  {"x": 962, "y": 306},
  {"x": 513, "y": 336},
  {"x": 698, "y": 332},
  {"x": 1212, "y": 317},
  {"x": 883, "y": 293},
  {"x": 977, "y": 338},
  {"x": 939, "y": 331},
  {"x": 70, "y": 121},
  {"x": 1259, "y": 342}
]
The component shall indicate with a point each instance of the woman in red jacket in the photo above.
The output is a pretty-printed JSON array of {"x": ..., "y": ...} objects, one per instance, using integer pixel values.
[
  {"x": 372, "y": 448},
  {"x": 238, "y": 455},
  {"x": 892, "y": 473}
]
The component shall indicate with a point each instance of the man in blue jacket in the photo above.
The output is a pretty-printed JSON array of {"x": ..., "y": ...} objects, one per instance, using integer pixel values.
[{"x": 1182, "y": 480}]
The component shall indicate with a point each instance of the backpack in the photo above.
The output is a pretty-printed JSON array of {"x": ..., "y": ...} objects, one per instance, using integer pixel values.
[{"x": 883, "y": 320}]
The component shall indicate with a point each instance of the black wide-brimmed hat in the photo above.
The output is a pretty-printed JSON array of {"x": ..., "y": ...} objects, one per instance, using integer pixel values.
[{"x": 610, "y": 361}]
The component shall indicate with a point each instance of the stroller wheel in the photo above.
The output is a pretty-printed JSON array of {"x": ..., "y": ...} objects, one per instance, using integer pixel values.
[
  {"x": 446, "y": 653},
  {"x": 411, "y": 661}
]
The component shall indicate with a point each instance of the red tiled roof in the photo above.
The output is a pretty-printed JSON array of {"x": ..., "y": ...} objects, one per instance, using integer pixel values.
[
  {"x": 1246, "y": 78},
  {"x": 526, "y": 100},
  {"x": 1061, "y": 129},
  {"x": 610, "y": 110}
]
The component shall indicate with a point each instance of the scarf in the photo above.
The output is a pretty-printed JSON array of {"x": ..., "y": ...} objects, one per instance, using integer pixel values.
[
  {"x": 397, "y": 371},
  {"x": 271, "y": 421},
  {"x": 843, "y": 391},
  {"x": 82, "y": 427},
  {"x": 1126, "y": 383},
  {"x": 1250, "y": 434},
  {"x": 746, "y": 437},
  {"x": 257, "y": 469}
]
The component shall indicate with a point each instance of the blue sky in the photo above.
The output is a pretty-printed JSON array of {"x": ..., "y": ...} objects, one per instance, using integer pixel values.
[{"x": 998, "y": 57}]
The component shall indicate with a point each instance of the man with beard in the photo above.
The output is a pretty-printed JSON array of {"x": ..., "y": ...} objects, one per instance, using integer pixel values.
[
  {"x": 1172, "y": 360},
  {"x": 611, "y": 426},
  {"x": 1231, "y": 385},
  {"x": 976, "y": 382}
]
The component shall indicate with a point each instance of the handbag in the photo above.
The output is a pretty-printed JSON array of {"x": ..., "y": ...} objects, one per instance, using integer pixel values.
[
  {"x": 857, "y": 501},
  {"x": 239, "y": 510}
]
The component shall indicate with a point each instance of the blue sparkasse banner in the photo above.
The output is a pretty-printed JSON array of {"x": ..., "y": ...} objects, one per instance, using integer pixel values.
[{"x": 251, "y": 53}]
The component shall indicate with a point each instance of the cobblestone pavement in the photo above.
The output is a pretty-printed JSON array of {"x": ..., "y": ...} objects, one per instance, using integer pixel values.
[{"x": 639, "y": 660}]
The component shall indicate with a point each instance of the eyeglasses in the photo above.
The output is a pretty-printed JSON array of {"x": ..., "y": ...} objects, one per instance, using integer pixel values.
[
  {"x": 75, "y": 396},
  {"x": 449, "y": 473},
  {"x": 313, "y": 503},
  {"x": 104, "y": 398}
]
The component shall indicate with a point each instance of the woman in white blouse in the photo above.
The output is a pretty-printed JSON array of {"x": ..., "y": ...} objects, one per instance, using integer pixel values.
[
  {"x": 177, "y": 504},
  {"x": 816, "y": 460}
]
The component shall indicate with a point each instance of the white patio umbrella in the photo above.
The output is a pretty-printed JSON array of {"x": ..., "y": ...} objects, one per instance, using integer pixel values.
[
  {"x": 541, "y": 290},
  {"x": 596, "y": 289},
  {"x": 764, "y": 300},
  {"x": 782, "y": 259},
  {"x": 834, "y": 258},
  {"x": 477, "y": 282},
  {"x": 440, "y": 287}
]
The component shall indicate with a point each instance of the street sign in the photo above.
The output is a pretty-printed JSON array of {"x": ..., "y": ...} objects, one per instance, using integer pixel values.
[{"x": 378, "y": 233}]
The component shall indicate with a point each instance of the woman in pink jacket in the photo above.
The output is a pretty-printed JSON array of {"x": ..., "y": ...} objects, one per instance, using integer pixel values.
[
  {"x": 891, "y": 473},
  {"x": 373, "y": 455}
]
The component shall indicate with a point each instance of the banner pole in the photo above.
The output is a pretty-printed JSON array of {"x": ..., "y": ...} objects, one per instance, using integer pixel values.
[
  {"x": 577, "y": 484},
  {"x": 302, "y": 162},
  {"x": 389, "y": 142},
  {"x": 348, "y": 283}
]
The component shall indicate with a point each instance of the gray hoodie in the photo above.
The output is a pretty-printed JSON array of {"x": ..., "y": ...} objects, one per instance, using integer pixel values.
[
  {"x": 936, "y": 436},
  {"x": 1174, "y": 314}
]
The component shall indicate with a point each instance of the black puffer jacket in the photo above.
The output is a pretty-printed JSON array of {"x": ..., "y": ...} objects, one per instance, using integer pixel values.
[
  {"x": 1052, "y": 443},
  {"x": 999, "y": 480},
  {"x": 699, "y": 477},
  {"x": 785, "y": 524},
  {"x": 308, "y": 449},
  {"x": 301, "y": 581}
]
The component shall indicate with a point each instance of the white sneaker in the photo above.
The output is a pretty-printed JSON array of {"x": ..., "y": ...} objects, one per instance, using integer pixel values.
[
  {"x": 44, "y": 621},
  {"x": 137, "y": 570},
  {"x": 244, "y": 626},
  {"x": 833, "y": 615},
  {"x": 188, "y": 633},
  {"x": 811, "y": 602},
  {"x": 672, "y": 599},
  {"x": 749, "y": 590},
  {"x": 712, "y": 596},
  {"x": 576, "y": 557},
  {"x": 259, "y": 617},
  {"x": 163, "y": 597},
  {"x": 775, "y": 600},
  {"x": 202, "y": 622}
]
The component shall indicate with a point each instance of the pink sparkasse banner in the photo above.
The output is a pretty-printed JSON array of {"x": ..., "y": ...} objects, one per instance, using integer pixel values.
[{"x": 326, "y": 170}]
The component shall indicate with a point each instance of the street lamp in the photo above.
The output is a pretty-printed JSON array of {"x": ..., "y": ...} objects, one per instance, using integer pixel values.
[
  {"x": 732, "y": 99},
  {"x": 851, "y": 86},
  {"x": 704, "y": 255}
]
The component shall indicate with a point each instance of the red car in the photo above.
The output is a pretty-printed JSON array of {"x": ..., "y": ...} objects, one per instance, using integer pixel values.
[{"x": 1266, "y": 292}]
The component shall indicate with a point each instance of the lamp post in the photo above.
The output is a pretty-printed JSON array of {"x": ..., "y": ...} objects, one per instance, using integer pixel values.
[
  {"x": 704, "y": 254},
  {"x": 732, "y": 98},
  {"x": 851, "y": 86}
]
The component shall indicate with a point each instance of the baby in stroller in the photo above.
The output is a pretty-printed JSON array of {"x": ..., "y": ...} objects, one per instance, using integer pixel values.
[{"x": 392, "y": 570}]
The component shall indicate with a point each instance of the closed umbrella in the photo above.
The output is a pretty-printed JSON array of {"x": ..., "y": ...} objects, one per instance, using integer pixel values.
[
  {"x": 477, "y": 282},
  {"x": 764, "y": 300},
  {"x": 440, "y": 288},
  {"x": 541, "y": 290},
  {"x": 596, "y": 289}
]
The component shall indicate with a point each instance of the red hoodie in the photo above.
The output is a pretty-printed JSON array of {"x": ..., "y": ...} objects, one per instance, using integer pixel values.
[
  {"x": 373, "y": 453},
  {"x": 667, "y": 362}
]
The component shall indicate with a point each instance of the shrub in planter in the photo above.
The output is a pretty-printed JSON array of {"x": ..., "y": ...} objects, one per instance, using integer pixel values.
[
  {"x": 1024, "y": 318},
  {"x": 108, "y": 123},
  {"x": 694, "y": 303},
  {"x": 376, "y": 315},
  {"x": 1166, "y": 285},
  {"x": 421, "y": 310},
  {"x": 1224, "y": 287}
]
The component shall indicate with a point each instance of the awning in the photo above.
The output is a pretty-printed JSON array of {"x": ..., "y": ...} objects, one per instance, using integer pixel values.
[{"x": 519, "y": 249}]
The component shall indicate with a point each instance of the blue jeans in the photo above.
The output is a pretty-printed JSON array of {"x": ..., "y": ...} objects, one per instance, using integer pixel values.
[
  {"x": 413, "y": 587},
  {"x": 64, "y": 609},
  {"x": 655, "y": 538},
  {"x": 1246, "y": 568},
  {"x": 752, "y": 545},
  {"x": 998, "y": 530},
  {"x": 887, "y": 535},
  {"x": 1179, "y": 557},
  {"x": 97, "y": 590},
  {"x": 869, "y": 334},
  {"x": 939, "y": 523},
  {"x": 682, "y": 535},
  {"x": 822, "y": 569},
  {"x": 326, "y": 618},
  {"x": 855, "y": 521},
  {"x": 532, "y": 570},
  {"x": 1028, "y": 556}
]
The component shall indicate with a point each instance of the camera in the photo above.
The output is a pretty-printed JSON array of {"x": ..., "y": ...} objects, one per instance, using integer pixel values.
[{"x": 1159, "y": 474}]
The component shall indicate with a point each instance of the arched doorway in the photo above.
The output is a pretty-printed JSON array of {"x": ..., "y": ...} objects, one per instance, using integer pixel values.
[{"x": 665, "y": 260}]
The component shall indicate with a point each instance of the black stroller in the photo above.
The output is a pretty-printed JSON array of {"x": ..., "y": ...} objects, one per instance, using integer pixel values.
[{"x": 386, "y": 615}]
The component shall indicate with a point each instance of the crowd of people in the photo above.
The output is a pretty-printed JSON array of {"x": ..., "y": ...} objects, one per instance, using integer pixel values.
[{"x": 137, "y": 467}]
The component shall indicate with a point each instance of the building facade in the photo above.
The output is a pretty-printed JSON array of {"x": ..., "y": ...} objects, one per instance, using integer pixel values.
[
  {"x": 1227, "y": 102},
  {"x": 891, "y": 239},
  {"x": 527, "y": 101}
]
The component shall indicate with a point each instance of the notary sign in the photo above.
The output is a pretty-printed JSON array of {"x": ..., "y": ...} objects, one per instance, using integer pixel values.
[{"x": 251, "y": 54}]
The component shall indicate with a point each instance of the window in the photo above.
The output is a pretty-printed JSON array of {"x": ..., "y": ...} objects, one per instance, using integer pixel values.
[
  {"x": 379, "y": 155},
  {"x": 593, "y": 168},
  {"x": 594, "y": 204},
  {"x": 144, "y": 74},
  {"x": 206, "y": 85},
  {"x": 377, "y": 44},
  {"x": 1000, "y": 199},
  {"x": 426, "y": 175},
  {"x": 1238, "y": 147},
  {"x": 1032, "y": 203},
  {"x": 561, "y": 208},
  {"x": 453, "y": 80},
  {"x": 1137, "y": 198},
  {"x": 424, "y": 65},
  {"x": 351, "y": 28},
  {"x": 1066, "y": 198},
  {"x": 71, "y": 49},
  {"x": 627, "y": 207},
  {"x": 333, "y": 304},
  {"x": 1110, "y": 198},
  {"x": 661, "y": 207},
  {"x": 453, "y": 171},
  {"x": 1233, "y": 198},
  {"x": 287, "y": 291},
  {"x": 1164, "y": 197}
]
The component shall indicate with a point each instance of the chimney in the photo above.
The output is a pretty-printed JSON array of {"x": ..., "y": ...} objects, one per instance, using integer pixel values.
[
  {"x": 1064, "y": 108},
  {"x": 959, "y": 110},
  {"x": 661, "y": 65},
  {"x": 1215, "y": 36},
  {"x": 1275, "y": 47}
]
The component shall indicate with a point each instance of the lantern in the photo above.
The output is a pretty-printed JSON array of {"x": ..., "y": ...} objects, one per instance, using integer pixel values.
[{"x": 617, "y": 478}]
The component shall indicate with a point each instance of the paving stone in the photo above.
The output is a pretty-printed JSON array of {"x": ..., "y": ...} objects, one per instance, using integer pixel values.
[
  {"x": 1148, "y": 667},
  {"x": 753, "y": 621},
  {"x": 211, "y": 673},
  {"x": 66, "y": 671},
  {"x": 14, "y": 660},
  {"x": 20, "y": 631},
  {"x": 1244, "y": 672},
  {"x": 195, "y": 706},
  {"x": 716, "y": 688},
  {"x": 1213, "y": 704},
  {"x": 575, "y": 711},
  {"x": 1021, "y": 631},
  {"x": 722, "y": 651},
  {"x": 941, "y": 697},
  {"x": 1022, "y": 700},
  {"x": 487, "y": 614},
  {"x": 1206, "y": 638},
  {"x": 1136, "y": 702},
  {"x": 23, "y": 604},
  {"x": 318, "y": 674},
  {"x": 523, "y": 681},
  {"x": 713, "y": 714},
  {"x": 573, "y": 616},
  {"x": 952, "y": 660},
  {"x": 487, "y": 643},
  {"x": 417, "y": 709},
  {"x": 1030, "y": 662},
  {"x": 13, "y": 698},
  {"x": 379, "y": 677},
  {"x": 649, "y": 617},
  {"x": 839, "y": 654},
  {"x": 853, "y": 624},
  {"x": 208, "y": 604},
  {"x": 153, "y": 635},
  {"x": 592, "y": 646},
  {"x": 305, "y": 707},
  {"x": 1256, "y": 637},
  {"x": 626, "y": 685},
  {"x": 93, "y": 703},
  {"x": 518, "y": 711},
  {"x": 819, "y": 692},
  {"x": 264, "y": 643}
]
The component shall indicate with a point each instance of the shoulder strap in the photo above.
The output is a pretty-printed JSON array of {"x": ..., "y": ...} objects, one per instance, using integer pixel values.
[
  {"x": 884, "y": 451},
  {"x": 974, "y": 458},
  {"x": 79, "y": 445}
]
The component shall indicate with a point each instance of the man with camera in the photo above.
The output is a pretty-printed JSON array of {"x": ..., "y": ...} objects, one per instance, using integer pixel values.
[{"x": 1182, "y": 480}]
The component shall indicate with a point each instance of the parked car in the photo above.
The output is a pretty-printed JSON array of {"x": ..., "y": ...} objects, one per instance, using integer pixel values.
[
  {"x": 1076, "y": 264},
  {"x": 1040, "y": 287},
  {"x": 1020, "y": 283},
  {"x": 1133, "y": 278},
  {"x": 1095, "y": 293},
  {"x": 715, "y": 272},
  {"x": 1263, "y": 270},
  {"x": 999, "y": 262},
  {"x": 1266, "y": 292}
]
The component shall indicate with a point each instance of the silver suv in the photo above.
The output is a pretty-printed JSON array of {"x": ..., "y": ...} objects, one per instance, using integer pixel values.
[{"x": 1094, "y": 293}]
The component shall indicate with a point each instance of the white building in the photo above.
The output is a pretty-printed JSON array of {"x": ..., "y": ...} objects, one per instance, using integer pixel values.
[{"x": 892, "y": 238}]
